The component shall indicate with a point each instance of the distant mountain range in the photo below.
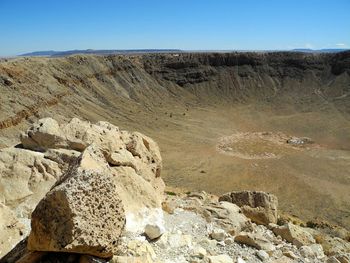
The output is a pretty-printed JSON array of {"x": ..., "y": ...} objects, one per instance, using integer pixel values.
[
  {"x": 325, "y": 50},
  {"x": 52, "y": 53}
]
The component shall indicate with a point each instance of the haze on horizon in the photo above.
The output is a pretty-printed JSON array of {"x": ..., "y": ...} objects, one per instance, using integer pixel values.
[{"x": 28, "y": 26}]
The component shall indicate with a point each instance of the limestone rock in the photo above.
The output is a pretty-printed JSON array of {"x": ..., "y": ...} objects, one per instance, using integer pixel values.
[
  {"x": 294, "y": 234},
  {"x": 63, "y": 157},
  {"x": 255, "y": 240},
  {"x": 169, "y": 206},
  {"x": 131, "y": 259},
  {"x": 240, "y": 260},
  {"x": 333, "y": 245},
  {"x": 218, "y": 234},
  {"x": 82, "y": 213},
  {"x": 314, "y": 251},
  {"x": 154, "y": 231},
  {"x": 229, "y": 241},
  {"x": 44, "y": 134},
  {"x": 227, "y": 215},
  {"x": 306, "y": 252},
  {"x": 177, "y": 240},
  {"x": 199, "y": 252},
  {"x": 220, "y": 259},
  {"x": 283, "y": 259},
  {"x": 290, "y": 254},
  {"x": 138, "y": 248},
  {"x": 317, "y": 250},
  {"x": 12, "y": 231},
  {"x": 134, "y": 158},
  {"x": 260, "y": 207},
  {"x": 25, "y": 177},
  {"x": 135, "y": 191},
  {"x": 21, "y": 171},
  {"x": 262, "y": 255}
]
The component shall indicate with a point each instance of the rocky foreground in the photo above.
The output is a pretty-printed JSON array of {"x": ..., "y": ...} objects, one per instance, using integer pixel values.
[{"x": 82, "y": 192}]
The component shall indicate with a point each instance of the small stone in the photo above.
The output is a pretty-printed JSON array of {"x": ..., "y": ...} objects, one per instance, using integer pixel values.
[
  {"x": 199, "y": 252},
  {"x": 240, "y": 260},
  {"x": 154, "y": 231},
  {"x": 162, "y": 242},
  {"x": 220, "y": 259},
  {"x": 229, "y": 241},
  {"x": 255, "y": 240},
  {"x": 218, "y": 234},
  {"x": 168, "y": 207},
  {"x": 317, "y": 250},
  {"x": 221, "y": 244},
  {"x": 290, "y": 254},
  {"x": 208, "y": 242},
  {"x": 179, "y": 240},
  {"x": 262, "y": 255},
  {"x": 306, "y": 252},
  {"x": 140, "y": 249}
]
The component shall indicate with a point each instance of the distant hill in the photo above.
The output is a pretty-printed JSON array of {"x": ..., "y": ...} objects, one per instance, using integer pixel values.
[
  {"x": 41, "y": 53},
  {"x": 326, "y": 50},
  {"x": 52, "y": 53}
]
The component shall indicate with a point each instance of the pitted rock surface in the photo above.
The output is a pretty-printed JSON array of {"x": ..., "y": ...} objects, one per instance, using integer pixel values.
[{"x": 82, "y": 213}]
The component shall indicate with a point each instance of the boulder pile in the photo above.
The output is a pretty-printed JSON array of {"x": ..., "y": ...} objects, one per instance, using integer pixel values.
[{"x": 93, "y": 193}]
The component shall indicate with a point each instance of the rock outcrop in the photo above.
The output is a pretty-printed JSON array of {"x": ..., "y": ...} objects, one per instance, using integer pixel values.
[
  {"x": 25, "y": 177},
  {"x": 134, "y": 158},
  {"x": 260, "y": 207},
  {"x": 254, "y": 240},
  {"x": 82, "y": 213},
  {"x": 294, "y": 234},
  {"x": 27, "y": 172}
]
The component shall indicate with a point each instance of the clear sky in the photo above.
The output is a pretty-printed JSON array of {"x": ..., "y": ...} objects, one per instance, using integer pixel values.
[{"x": 32, "y": 25}]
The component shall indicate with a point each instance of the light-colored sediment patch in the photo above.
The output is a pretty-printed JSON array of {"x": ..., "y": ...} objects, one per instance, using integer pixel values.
[{"x": 261, "y": 145}]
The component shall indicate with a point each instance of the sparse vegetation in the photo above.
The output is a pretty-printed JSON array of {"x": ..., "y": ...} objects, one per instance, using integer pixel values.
[
  {"x": 170, "y": 193},
  {"x": 311, "y": 224}
]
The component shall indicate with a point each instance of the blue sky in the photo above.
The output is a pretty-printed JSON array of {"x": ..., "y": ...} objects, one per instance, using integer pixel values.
[{"x": 30, "y": 25}]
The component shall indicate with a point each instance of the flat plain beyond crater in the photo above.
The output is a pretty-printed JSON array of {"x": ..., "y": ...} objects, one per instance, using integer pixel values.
[{"x": 276, "y": 122}]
